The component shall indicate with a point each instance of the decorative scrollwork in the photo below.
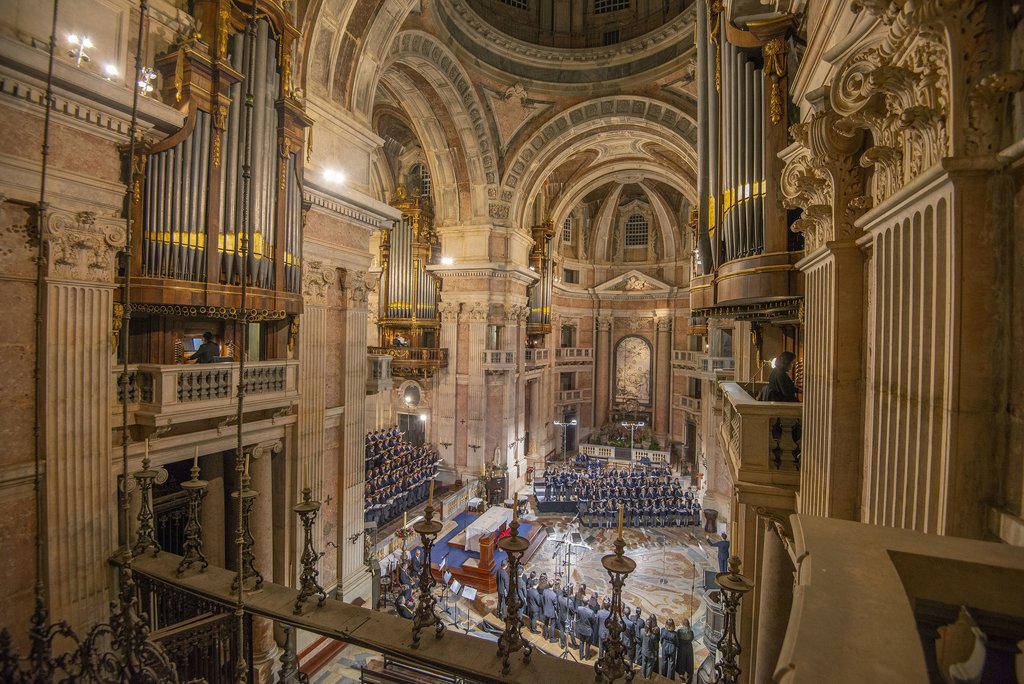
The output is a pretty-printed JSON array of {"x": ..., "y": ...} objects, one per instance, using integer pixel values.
[{"x": 228, "y": 312}]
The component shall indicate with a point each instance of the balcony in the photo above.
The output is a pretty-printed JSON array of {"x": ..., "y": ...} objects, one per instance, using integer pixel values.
[
  {"x": 413, "y": 362},
  {"x": 176, "y": 393},
  {"x": 914, "y": 584},
  {"x": 761, "y": 438},
  {"x": 574, "y": 396},
  {"x": 574, "y": 356},
  {"x": 499, "y": 361},
  {"x": 688, "y": 403},
  {"x": 535, "y": 358},
  {"x": 686, "y": 360}
]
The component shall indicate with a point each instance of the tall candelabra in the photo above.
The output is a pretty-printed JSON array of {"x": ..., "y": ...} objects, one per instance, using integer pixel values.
[
  {"x": 145, "y": 537},
  {"x": 733, "y": 586},
  {"x": 614, "y": 663},
  {"x": 193, "y": 547},
  {"x": 308, "y": 584},
  {"x": 246, "y": 540},
  {"x": 511, "y": 640},
  {"x": 426, "y": 613}
]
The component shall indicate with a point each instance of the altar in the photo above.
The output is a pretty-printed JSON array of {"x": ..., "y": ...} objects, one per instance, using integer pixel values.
[{"x": 493, "y": 520}]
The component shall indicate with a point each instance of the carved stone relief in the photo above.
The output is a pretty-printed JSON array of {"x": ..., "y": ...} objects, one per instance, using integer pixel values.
[{"x": 84, "y": 246}]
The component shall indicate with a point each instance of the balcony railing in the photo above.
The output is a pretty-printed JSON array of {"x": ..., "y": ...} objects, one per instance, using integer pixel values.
[
  {"x": 178, "y": 393},
  {"x": 537, "y": 357},
  {"x": 686, "y": 359},
  {"x": 574, "y": 396},
  {"x": 499, "y": 360},
  {"x": 709, "y": 364},
  {"x": 413, "y": 362},
  {"x": 689, "y": 403},
  {"x": 761, "y": 438},
  {"x": 574, "y": 355}
]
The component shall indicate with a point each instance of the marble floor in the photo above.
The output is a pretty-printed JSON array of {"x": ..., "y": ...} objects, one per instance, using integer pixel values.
[{"x": 668, "y": 582}]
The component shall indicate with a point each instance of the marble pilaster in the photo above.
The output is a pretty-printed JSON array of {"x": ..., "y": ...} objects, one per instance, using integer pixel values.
[
  {"x": 662, "y": 379},
  {"x": 444, "y": 383},
  {"x": 354, "y": 580},
  {"x": 602, "y": 370},
  {"x": 80, "y": 483}
]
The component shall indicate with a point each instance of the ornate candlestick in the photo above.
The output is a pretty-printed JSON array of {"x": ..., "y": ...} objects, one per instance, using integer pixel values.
[
  {"x": 428, "y": 529},
  {"x": 246, "y": 540},
  {"x": 511, "y": 640},
  {"x": 145, "y": 537},
  {"x": 193, "y": 547},
  {"x": 307, "y": 510},
  {"x": 733, "y": 586},
  {"x": 614, "y": 663}
]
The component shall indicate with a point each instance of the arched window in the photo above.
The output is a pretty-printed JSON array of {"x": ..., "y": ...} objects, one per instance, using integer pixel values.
[
  {"x": 603, "y": 6},
  {"x": 636, "y": 231},
  {"x": 567, "y": 229},
  {"x": 419, "y": 181}
]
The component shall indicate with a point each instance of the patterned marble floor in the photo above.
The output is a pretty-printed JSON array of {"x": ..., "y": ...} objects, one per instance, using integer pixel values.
[{"x": 667, "y": 582}]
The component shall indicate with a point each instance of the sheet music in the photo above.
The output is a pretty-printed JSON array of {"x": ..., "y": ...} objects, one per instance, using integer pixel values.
[
  {"x": 456, "y": 587},
  {"x": 469, "y": 593}
]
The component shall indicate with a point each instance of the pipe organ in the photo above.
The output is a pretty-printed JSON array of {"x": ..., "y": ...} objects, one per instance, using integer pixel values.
[
  {"x": 539, "y": 322},
  {"x": 189, "y": 199},
  {"x": 409, "y": 293}
]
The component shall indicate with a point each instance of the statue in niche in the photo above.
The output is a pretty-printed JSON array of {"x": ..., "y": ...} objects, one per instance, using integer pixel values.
[{"x": 633, "y": 371}]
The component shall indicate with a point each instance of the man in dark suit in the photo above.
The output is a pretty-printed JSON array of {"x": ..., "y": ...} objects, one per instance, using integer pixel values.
[
  {"x": 602, "y": 624},
  {"x": 652, "y": 646},
  {"x": 585, "y": 618},
  {"x": 406, "y": 581},
  {"x": 503, "y": 581},
  {"x": 628, "y": 628},
  {"x": 521, "y": 588},
  {"x": 566, "y": 612},
  {"x": 402, "y": 608},
  {"x": 533, "y": 605},
  {"x": 684, "y": 656},
  {"x": 417, "y": 562},
  {"x": 723, "y": 552},
  {"x": 638, "y": 637},
  {"x": 549, "y": 609}
]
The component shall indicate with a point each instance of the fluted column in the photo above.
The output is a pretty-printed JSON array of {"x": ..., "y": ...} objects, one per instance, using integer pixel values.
[
  {"x": 80, "y": 484},
  {"x": 663, "y": 379},
  {"x": 475, "y": 410},
  {"x": 602, "y": 370},
  {"x": 317, "y": 280},
  {"x": 444, "y": 381},
  {"x": 354, "y": 581}
]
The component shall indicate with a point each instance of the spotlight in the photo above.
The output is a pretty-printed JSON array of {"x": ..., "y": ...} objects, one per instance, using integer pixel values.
[
  {"x": 81, "y": 43},
  {"x": 447, "y": 261},
  {"x": 109, "y": 71},
  {"x": 423, "y": 417},
  {"x": 334, "y": 176}
]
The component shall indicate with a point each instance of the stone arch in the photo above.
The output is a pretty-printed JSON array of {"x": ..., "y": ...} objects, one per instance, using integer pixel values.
[{"x": 573, "y": 129}]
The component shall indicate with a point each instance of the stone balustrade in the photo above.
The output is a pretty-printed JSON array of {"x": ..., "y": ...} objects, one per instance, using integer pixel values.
[
  {"x": 574, "y": 396},
  {"x": 574, "y": 355},
  {"x": 161, "y": 394},
  {"x": 537, "y": 357},
  {"x": 499, "y": 360},
  {"x": 760, "y": 438},
  {"x": 688, "y": 403}
]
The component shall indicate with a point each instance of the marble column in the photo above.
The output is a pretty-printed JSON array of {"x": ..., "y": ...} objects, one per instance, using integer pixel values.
[
  {"x": 80, "y": 484},
  {"x": 662, "y": 380},
  {"x": 212, "y": 515},
  {"x": 261, "y": 523},
  {"x": 355, "y": 581},
  {"x": 775, "y": 593},
  {"x": 602, "y": 370}
]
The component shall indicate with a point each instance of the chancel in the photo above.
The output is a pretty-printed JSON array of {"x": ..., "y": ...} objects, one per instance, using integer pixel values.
[{"x": 512, "y": 341}]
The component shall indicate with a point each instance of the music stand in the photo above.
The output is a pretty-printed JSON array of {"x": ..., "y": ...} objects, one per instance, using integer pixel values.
[
  {"x": 468, "y": 593},
  {"x": 456, "y": 589},
  {"x": 445, "y": 579}
]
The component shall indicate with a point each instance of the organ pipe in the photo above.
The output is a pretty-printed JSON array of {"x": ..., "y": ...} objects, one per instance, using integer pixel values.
[
  {"x": 409, "y": 292},
  {"x": 187, "y": 216}
]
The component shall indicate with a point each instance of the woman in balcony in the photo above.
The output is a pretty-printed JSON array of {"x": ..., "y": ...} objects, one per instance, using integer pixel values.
[{"x": 780, "y": 386}]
